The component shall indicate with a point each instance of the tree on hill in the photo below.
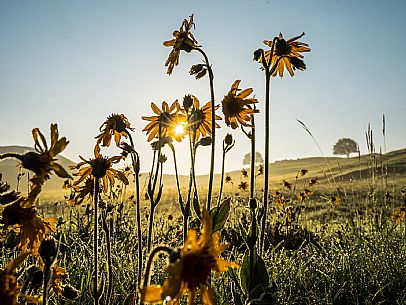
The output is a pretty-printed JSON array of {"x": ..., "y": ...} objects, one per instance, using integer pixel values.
[
  {"x": 258, "y": 158},
  {"x": 345, "y": 146}
]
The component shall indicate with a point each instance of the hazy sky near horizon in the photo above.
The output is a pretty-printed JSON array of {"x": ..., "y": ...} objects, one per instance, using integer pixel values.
[{"x": 76, "y": 62}]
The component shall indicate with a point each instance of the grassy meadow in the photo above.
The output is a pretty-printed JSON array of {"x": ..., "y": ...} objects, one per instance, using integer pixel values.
[{"x": 319, "y": 230}]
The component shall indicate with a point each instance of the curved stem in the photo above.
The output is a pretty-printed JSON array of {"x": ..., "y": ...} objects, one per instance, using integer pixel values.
[
  {"x": 149, "y": 264},
  {"x": 213, "y": 127},
  {"x": 11, "y": 155},
  {"x": 95, "y": 293}
]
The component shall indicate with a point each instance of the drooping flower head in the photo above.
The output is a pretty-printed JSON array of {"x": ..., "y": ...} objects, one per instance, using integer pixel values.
[
  {"x": 192, "y": 270},
  {"x": 22, "y": 215},
  {"x": 235, "y": 106},
  {"x": 200, "y": 119},
  {"x": 287, "y": 54},
  {"x": 116, "y": 125},
  {"x": 42, "y": 161},
  {"x": 100, "y": 167},
  {"x": 184, "y": 40},
  {"x": 165, "y": 122}
]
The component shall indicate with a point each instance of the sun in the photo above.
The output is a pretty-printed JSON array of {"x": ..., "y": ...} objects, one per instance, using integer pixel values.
[{"x": 179, "y": 129}]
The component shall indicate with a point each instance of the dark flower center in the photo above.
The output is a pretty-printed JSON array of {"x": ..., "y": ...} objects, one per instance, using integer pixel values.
[
  {"x": 100, "y": 166},
  {"x": 196, "y": 268},
  {"x": 282, "y": 47},
  {"x": 233, "y": 107}
]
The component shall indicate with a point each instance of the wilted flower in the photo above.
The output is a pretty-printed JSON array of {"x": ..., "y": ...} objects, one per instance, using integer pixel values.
[
  {"x": 243, "y": 185},
  {"x": 165, "y": 121},
  {"x": 116, "y": 125},
  {"x": 43, "y": 161},
  {"x": 313, "y": 181},
  {"x": 58, "y": 275},
  {"x": 335, "y": 200},
  {"x": 260, "y": 170},
  {"x": 399, "y": 215},
  {"x": 235, "y": 108},
  {"x": 100, "y": 167},
  {"x": 287, "y": 184},
  {"x": 304, "y": 172},
  {"x": 32, "y": 228},
  {"x": 286, "y": 54},
  {"x": 228, "y": 179},
  {"x": 191, "y": 270},
  {"x": 244, "y": 173},
  {"x": 183, "y": 40}
]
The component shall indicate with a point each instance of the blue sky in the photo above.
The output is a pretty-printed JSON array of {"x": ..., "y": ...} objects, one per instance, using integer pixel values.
[{"x": 75, "y": 62}]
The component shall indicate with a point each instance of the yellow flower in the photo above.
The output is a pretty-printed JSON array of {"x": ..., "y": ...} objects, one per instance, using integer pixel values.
[
  {"x": 80, "y": 192},
  {"x": 243, "y": 185},
  {"x": 165, "y": 121},
  {"x": 200, "y": 119},
  {"x": 183, "y": 40},
  {"x": 192, "y": 270},
  {"x": 58, "y": 275},
  {"x": 9, "y": 287},
  {"x": 116, "y": 125},
  {"x": 287, "y": 55},
  {"x": 399, "y": 215},
  {"x": 235, "y": 108},
  {"x": 42, "y": 161},
  {"x": 32, "y": 228},
  {"x": 100, "y": 167}
]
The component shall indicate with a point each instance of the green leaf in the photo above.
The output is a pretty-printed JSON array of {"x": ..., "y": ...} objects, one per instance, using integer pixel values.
[
  {"x": 259, "y": 273},
  {"x": 253, "y": 233},
  {"x": 196, "y": 207},
  {"x": 219, "y": 215}
]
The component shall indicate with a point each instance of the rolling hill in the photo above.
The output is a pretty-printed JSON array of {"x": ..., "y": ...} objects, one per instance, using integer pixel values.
[{"x": 341, "y": 170}]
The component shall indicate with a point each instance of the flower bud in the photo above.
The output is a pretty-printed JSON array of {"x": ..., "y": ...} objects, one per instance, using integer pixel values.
[
  {"x": 206, "y": 141},
  {"x": 70, "y": 292},
  {"x": 228, "y": 139},
  {"x": 48, "y": 251},
  {"x": 187, "y": 101},
  {"x": 196, "y": 69},
  {"x": 258, "y": 54}
]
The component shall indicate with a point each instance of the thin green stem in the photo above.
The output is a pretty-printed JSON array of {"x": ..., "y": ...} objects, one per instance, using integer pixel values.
[
  {"x": 213, "y": 127},
  {"x": 222, "y": 175},
  {"x": 268, "y": 75},
  {"x": 136, "y": 166},
  {"x": 252, "y": 177},
  {"x": 177, "y": 179},
  {"x": 109, "y": 258},
  {"x": 47, "y": 270},
  {"x": 95, "y": 293}
]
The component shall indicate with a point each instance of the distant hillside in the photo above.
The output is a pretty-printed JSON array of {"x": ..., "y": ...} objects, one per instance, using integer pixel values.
[{"x": 342, "y": 169}]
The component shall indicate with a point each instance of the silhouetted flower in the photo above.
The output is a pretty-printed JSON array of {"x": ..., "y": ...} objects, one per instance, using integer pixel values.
[
  {"x": 183, "y": 40},
  {"x": 191, "y": 269},
  {"x": 165, "y": 121},
  {"x": 116, "y": 125},
  {"x": 287, "y": 54},
  {"x": 235, "y": 108}
]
